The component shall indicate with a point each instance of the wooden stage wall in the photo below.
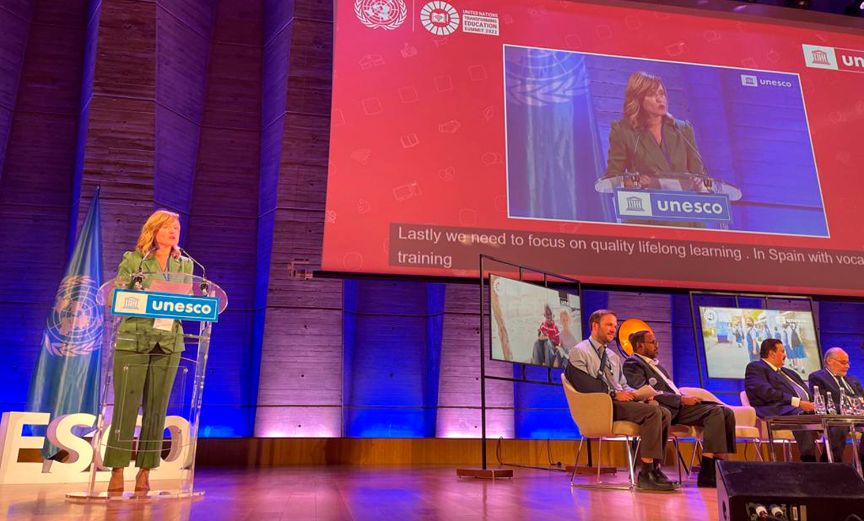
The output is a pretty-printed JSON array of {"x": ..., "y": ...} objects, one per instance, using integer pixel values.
[{"x": 266, "y": 452}]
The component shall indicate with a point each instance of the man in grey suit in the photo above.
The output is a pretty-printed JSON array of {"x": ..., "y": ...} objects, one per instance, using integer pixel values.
[
  {"x": 717, "y": 420},
  {"x": 596, "y": 368}
]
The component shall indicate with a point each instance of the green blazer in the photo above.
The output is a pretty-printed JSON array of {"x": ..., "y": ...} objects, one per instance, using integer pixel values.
[
  {"x": 636, "y": 151},
  {"x": 135, "y": 333}
]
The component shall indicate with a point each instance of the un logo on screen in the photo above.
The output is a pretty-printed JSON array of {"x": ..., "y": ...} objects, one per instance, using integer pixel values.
[
  {"x": 537, "y": 77},
  {"x": 383, "y": 14},
  {"x": 74, "y": 326}
]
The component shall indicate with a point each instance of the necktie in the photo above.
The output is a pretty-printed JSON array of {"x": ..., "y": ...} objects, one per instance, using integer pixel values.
[
  {"x": 606, "y": 370},
  {"x": 845, "y": 386},
  {"x": 800, "y": 391}
]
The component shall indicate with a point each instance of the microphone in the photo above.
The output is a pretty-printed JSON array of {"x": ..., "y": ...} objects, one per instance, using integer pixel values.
[
  {"x": 704, "y": 174},
  {"x": 138, "y": 276},
  {"x": 205, "y": 284},
  {"x": 634, "y": 177}
]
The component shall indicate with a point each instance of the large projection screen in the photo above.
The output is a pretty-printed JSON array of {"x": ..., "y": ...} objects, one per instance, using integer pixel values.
[{"x": 499, "y": 127}]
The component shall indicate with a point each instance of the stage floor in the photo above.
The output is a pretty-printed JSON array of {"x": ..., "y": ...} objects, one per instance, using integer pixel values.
[{"x": 371, "y": 493}]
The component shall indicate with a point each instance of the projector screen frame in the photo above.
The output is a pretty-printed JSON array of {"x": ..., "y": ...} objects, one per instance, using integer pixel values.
[{"x": 696, "y": 318}]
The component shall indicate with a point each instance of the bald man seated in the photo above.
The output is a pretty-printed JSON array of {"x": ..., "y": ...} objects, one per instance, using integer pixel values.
[{"x": 834, "y": 378}]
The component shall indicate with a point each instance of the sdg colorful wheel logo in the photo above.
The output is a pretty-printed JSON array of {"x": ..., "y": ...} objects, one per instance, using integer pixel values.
[{"x": 439, "y": 18}]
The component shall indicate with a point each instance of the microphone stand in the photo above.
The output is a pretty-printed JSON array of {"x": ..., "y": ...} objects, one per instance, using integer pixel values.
[
  {"x": 138, "y": 277},
  {"x": 205, "y": 284},
  {"x": 706, "y": 181}
]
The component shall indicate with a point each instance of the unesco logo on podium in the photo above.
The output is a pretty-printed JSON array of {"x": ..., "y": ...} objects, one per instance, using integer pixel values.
[
  {"x": 668, "y": 205},
  {"x": 149, "y": 304},
  {"x": 634, "y": 204}
]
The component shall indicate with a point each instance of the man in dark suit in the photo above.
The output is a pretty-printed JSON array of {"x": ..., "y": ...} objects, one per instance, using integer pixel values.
[
  {"x": 718, "y": 421},
  {"x": 774, "y": 390},
  {"x": 833, "y": 378}
]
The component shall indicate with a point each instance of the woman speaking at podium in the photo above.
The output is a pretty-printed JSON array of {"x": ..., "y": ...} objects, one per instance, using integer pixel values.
[
  {"x": 146, "y": 353},
  {"x": 648, "y": 142}
]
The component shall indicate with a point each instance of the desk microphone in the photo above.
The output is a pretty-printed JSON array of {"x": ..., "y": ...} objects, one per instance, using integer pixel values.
[
  {"x": 138, "y": 276},
  {"x": 635, "y": 176},
  {"x": 205, "y": 284},
  {"x": 704, "y": 174}
]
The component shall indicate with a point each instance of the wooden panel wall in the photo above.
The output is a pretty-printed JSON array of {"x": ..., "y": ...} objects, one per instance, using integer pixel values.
[
  {"x": 43, "y": 86},
  {"x": 300, "y": 387},
  {"x": 224, "y": 209},
  {"x": 15, "y": 19},
  {"x": 119, "y": 146}
]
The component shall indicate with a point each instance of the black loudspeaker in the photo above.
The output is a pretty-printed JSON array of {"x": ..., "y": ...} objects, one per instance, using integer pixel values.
[{"x": 749, "y": 491}]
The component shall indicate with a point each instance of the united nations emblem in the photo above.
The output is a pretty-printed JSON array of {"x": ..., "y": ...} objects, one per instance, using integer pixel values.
[
  {"x": 383, "y": 14},
  {"x": 74, "y": 326},
  {"x": 439, "y": 18}
]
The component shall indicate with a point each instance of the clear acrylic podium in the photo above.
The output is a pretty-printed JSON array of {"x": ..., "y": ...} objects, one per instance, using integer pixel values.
[
  {"x": 698, "y": 187},
  {"x": 673, "y": 181},
  {"x": 136, "y": 324}
]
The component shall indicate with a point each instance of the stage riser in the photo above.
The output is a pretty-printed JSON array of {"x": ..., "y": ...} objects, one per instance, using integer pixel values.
[
  {"x": 422, "y": 451},
  {"x": 264, "y": 452}
]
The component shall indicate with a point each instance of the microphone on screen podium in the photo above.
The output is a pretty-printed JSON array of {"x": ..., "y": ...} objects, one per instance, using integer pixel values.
[{"x": 707, "y": 182}]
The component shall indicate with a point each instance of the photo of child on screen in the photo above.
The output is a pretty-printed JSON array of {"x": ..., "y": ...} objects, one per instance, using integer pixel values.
[
  {"x": 546, "y": 348},
  {"x": 553, "y": 344},
  {"x": 532, "y": 324}
]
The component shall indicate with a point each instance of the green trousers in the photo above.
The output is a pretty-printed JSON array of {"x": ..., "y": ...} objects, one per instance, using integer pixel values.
[{"x": 147, "y": 378}]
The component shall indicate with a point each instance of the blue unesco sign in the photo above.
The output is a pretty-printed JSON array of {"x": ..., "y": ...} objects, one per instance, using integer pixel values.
[
  {"x": 671, "y": 206},
  {"x": 150, "y": 304}
]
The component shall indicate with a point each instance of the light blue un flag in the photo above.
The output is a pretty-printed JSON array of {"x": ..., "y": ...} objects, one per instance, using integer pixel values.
[{"x": 66, "y": 379}]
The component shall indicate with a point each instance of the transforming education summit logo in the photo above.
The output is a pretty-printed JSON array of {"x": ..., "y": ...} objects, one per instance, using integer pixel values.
[
  {"x": 381, "y": 14},
  {"x": 439, "y": 18}
]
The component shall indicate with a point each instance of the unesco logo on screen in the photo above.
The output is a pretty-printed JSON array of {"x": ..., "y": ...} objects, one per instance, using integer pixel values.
[{"x": 750, "y": 80}]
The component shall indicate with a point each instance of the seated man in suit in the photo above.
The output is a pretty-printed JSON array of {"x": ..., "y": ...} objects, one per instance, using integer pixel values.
[
  {"x": 594, "y": 367},
  {"x": 774, "y": 390},
  {"x": 717, "y": 420},
  {"x": 832, "y": 379}
]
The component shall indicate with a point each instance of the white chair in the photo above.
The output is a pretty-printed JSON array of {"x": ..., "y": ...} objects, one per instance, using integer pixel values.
[
  {"x": 746, "y": 428},
  {"x": 592, "y": 413},
  {"x": 784, "y": 437},
  {"x": 680, "y": 432}
]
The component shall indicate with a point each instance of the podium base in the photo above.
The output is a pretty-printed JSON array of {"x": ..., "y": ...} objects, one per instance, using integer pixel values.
[
  {"x": 153, "y": 495},
  {"x": 583, "y": 470},
  {"x": 492, "y": 474}
]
